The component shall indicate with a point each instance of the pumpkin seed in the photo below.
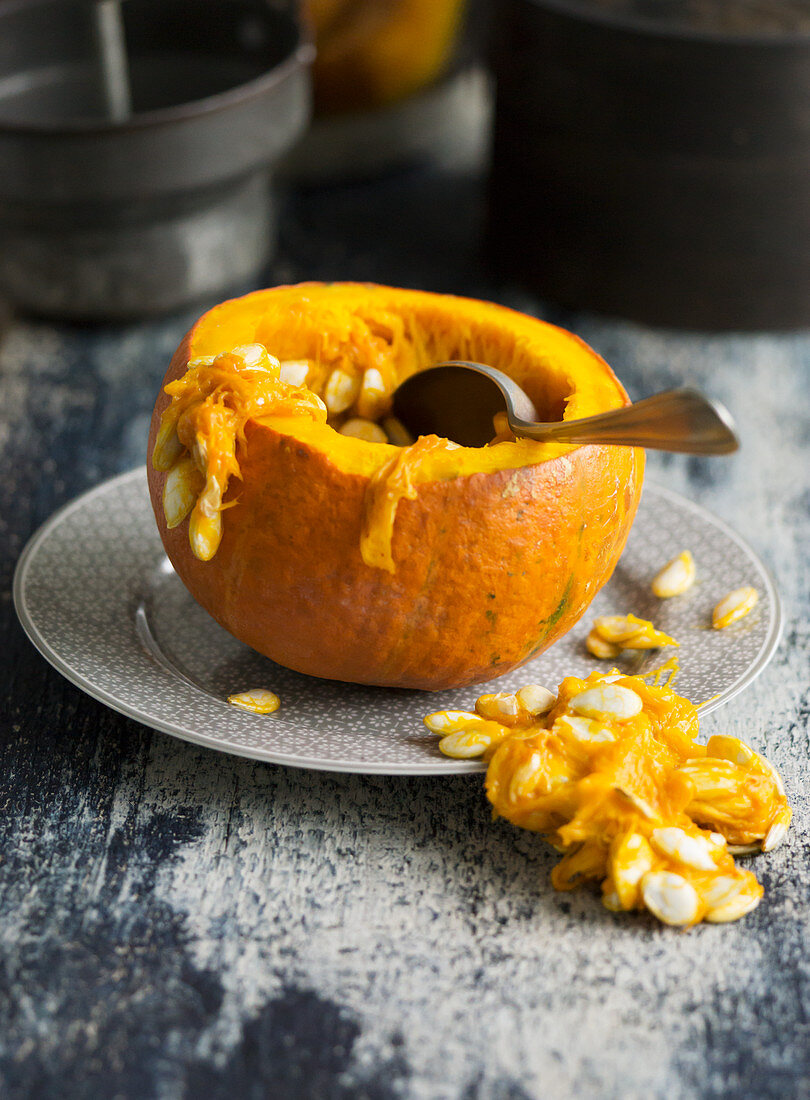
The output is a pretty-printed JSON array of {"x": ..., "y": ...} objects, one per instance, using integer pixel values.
[
  {"x": 258, "y": 700},
  {"x": 599, "y": 648},
  {"x": 670, "y": 897},
  {"x": 443, "y": 721},
  {"x": 465, "y": 744},
  {"x": 607, "y": 700},
  {"x": 585, "y": 730},
  {"x": 778, "y": 831},
  {"x": 397, "y": 433},
  {"x": 735, "y": 606},
  {"x": 183, "y": 485},
  {"x": 676, "y": 577},
  {"x": 341, "y": 390},
  {"x": 675, "y": 843},
  {"x": 735, "y": 908},
  {"x": 536, "y": 700},
  {"x": 168, "y": 447},
  {"x": 501, "y": 705},
  {"x": 359, "y": 428},
  {"x": 294, "y": 371}
]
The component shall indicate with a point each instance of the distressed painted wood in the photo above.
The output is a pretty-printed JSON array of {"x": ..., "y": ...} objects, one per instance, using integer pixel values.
[{"x": 177, "y": 923}]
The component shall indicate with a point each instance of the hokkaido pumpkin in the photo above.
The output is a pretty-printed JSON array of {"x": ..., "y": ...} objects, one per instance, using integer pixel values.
[{"x": 423, "y": 566}]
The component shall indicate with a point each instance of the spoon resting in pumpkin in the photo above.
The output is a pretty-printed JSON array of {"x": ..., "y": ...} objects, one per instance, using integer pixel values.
[{"x": 458, "y": 400}]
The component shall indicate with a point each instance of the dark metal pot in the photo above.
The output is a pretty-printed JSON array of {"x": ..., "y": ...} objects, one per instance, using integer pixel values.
[
  {"x": 651, "y": 171},
  {"x": 105, "y": 219}
]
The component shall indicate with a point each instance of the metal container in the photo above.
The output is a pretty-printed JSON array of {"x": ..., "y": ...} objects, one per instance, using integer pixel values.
[
  {"x": 116, "y": 219},
  {"x": 649, "y": 170}
]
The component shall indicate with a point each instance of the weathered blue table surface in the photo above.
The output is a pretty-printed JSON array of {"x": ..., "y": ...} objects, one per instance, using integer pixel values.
[{"x": 178, "y": 923}]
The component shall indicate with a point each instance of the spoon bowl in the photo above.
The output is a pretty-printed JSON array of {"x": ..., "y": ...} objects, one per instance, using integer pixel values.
[{"x": 458, "y": 400}]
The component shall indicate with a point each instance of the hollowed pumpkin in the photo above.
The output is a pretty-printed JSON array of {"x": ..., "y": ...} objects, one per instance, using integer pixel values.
[{"x": 430, "y": 566}]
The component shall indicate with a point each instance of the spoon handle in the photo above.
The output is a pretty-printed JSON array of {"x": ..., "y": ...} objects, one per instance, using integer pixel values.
[{"x": 676, "y": 420}]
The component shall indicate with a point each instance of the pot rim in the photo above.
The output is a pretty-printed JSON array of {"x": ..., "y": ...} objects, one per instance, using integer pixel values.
[
  {"x": 300, "y": 56},
  {"x": 577, "y": 11}
]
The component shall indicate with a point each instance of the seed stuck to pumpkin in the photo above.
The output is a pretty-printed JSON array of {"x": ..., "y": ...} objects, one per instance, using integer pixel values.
[
  {"x": 358, "y": 428},
  {"x": 183, "y": 485},
  {"x": 398, "y": 434},
  {"x": 294, "y": 372},
  {"x": 341, "y": 391}
]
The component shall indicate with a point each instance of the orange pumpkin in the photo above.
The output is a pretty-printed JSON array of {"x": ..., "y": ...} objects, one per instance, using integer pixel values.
[{"x": 429, "y": 566}]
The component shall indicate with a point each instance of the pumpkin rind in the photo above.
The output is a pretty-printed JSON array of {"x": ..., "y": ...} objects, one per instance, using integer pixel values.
[{"x": 491, "y": 566}]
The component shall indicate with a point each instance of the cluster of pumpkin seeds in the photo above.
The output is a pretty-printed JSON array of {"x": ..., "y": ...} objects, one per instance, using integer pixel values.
[{"x": 609, "y": 770}]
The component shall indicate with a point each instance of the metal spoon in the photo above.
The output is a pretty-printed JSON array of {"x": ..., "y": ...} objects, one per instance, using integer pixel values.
[{"x": 458, "y": 400}]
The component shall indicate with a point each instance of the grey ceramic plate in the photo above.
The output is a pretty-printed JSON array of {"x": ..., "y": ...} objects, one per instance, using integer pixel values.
[{"x": 100, "y": 601}]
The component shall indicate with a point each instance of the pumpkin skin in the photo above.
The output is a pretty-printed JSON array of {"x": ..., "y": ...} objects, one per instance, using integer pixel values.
[{"x": 498, "y": 555}]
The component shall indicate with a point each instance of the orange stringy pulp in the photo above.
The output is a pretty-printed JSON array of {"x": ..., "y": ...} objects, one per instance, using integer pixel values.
[{"x": 610, "y": 772}]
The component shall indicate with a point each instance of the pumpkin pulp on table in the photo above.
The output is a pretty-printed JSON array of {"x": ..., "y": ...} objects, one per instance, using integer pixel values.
[{"x": 430, "y": 565}]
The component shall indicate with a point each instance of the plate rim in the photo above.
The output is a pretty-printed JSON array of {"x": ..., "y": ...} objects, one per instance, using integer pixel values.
[{"x": 258, "y": 753}]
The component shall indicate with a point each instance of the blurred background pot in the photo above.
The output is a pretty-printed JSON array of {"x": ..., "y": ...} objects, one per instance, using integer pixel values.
[
  {"x": 117, "y": 211},
  {"x": 653, "y": 160},
  {"x": 396, "y": 82}
]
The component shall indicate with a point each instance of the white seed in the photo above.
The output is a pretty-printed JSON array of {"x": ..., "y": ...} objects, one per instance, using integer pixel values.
[
  {"x": 168, "y": 447},
  {"x": 259, "y": 700},
  {"x": 676, "y": 844},
  {"x": 612, "y": 902},
  {"x": 717, "y": 839},
  {"x": 372, "y": 398},
  {"x": 397, "y": 433},
  {"x": 465, "y": 744},
  {"x": 630, "y": 861},
  {"x": 201, "y": 361},
  {"x": 204, "y": 533},
  {"x": 616, "y": 629},
  {"x": 359, "y": 428},
  {"x": 777, "y": 778},
  {"x": 341, "y": 390},
  {"x": 443, "y": 721},
  {"x": 732, "y": 749},
  {"x": 502, "y": 704},
  {"x": 722, "y": 890},
  {"x": 735, "y": 606},
  {"x": 535, "y": 699},
  {"x": 183, "y": 485},
  {"x": 599, "y": 648},
  {"x": 525, "y": 776},
  {"x": 585, "y": 729},
  {"x": 199, "y": 452},
  {"x": 744, "y": 849},
  {"x": 639, "y": 804},
  {"x": 777, "y": 832},
  {"x": 607, "y": 700},
  {"x": 734, "y": 909},
  {"x": 294, "y": 371},
  {"x": 670, "y": 897},
  {"x": 255, "y": 356},
  {"x": 676, "y": 577}
]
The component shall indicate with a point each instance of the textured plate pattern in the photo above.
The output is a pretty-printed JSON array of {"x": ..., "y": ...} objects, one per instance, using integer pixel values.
[{"x": 98, "y": 598}]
